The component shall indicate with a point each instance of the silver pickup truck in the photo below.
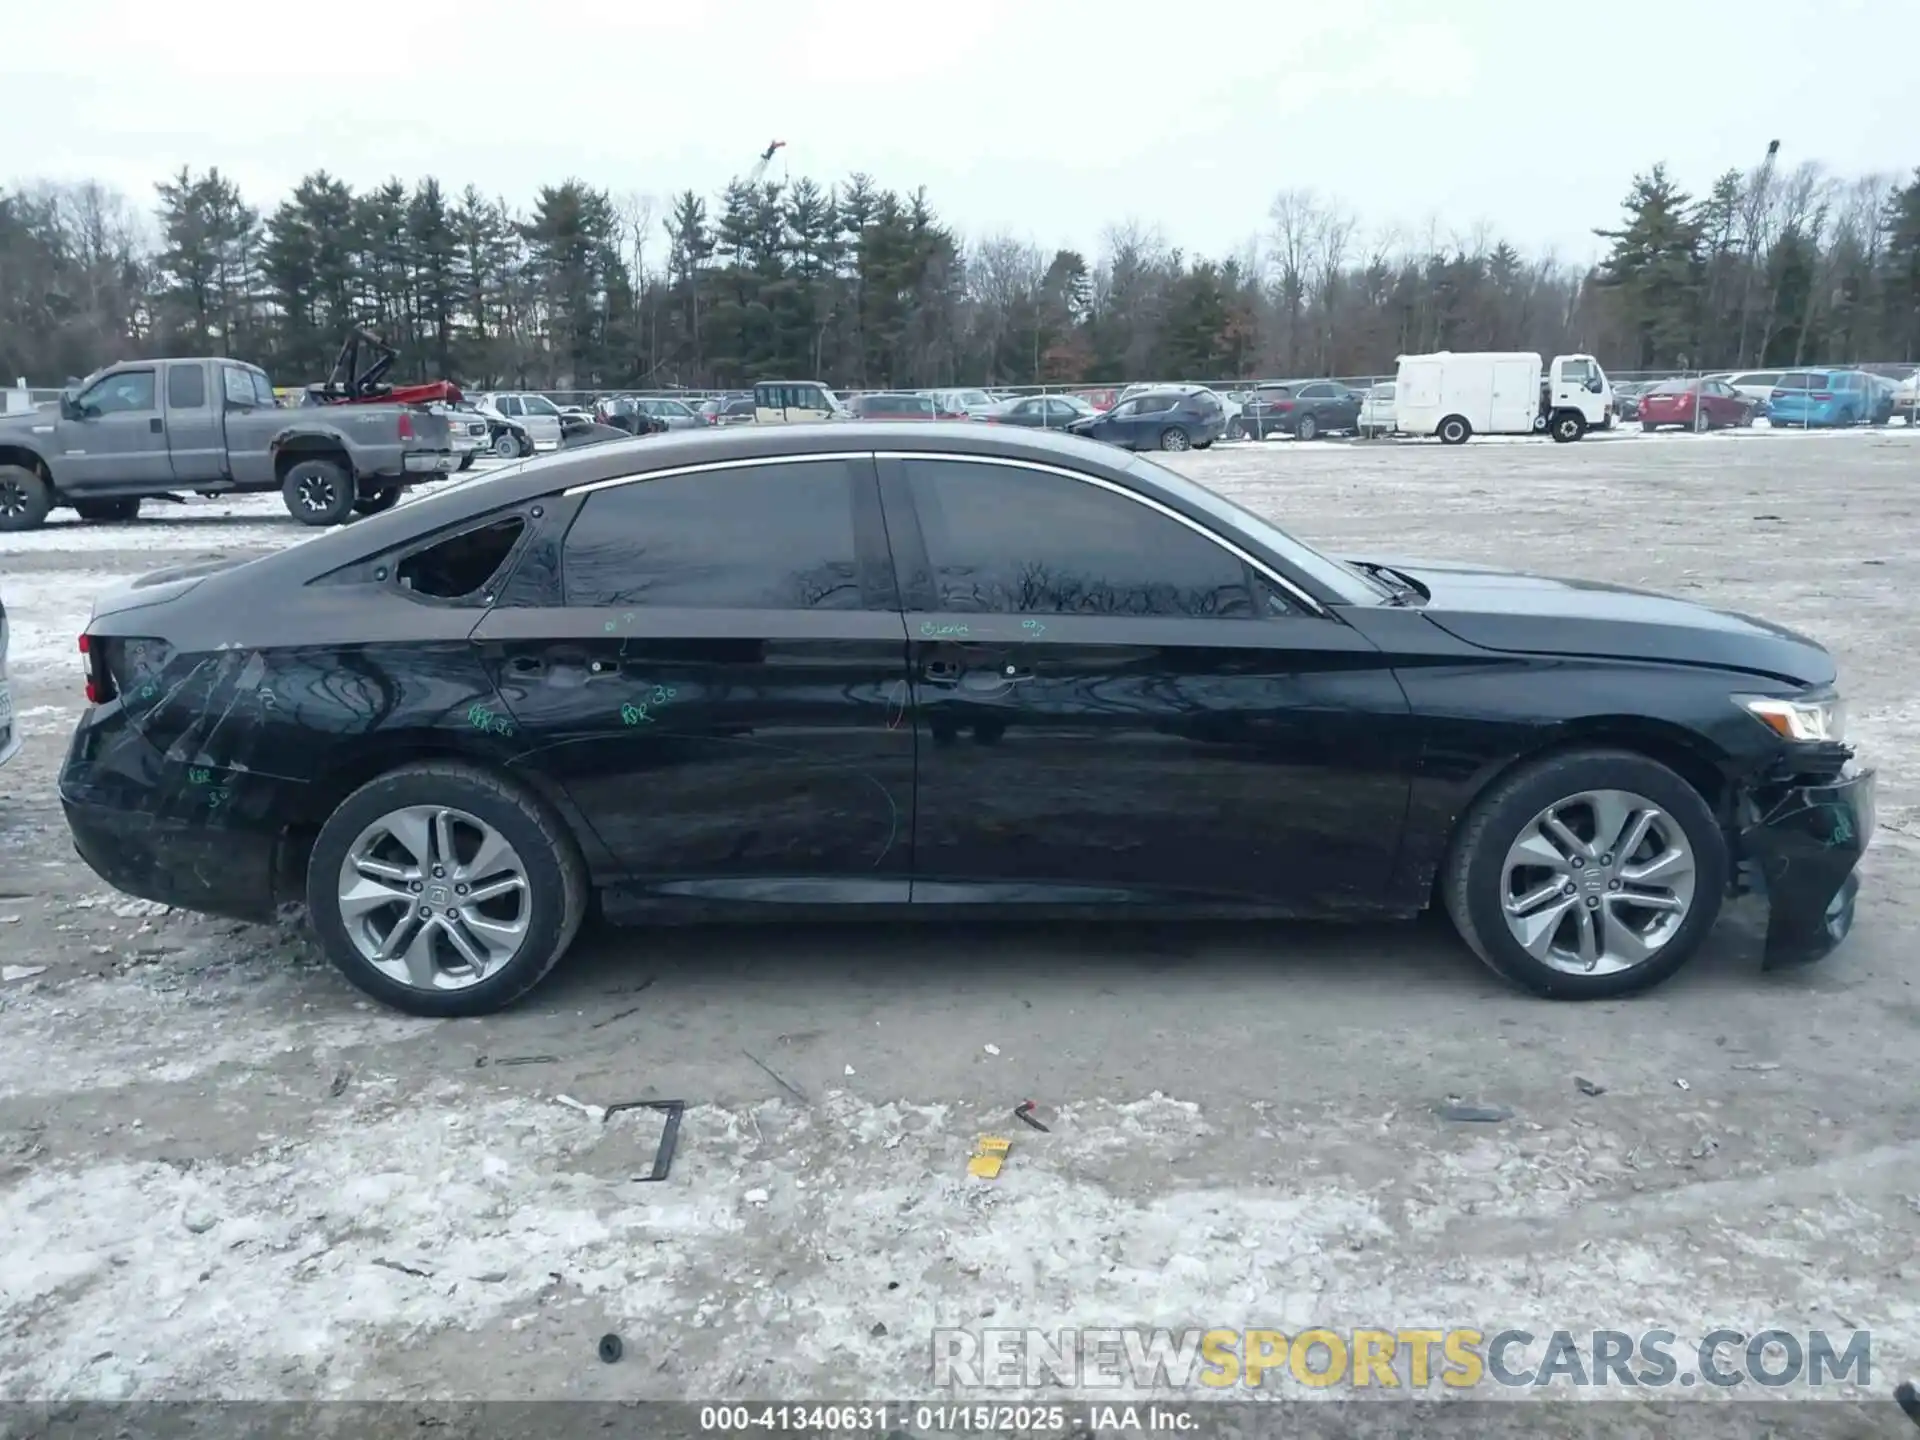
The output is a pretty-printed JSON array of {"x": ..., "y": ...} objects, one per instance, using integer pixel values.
[{"x": 153, "y": 427}]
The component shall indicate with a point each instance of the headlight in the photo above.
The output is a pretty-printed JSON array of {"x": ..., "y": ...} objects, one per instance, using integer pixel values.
[{"x": 1807, "y": 719}]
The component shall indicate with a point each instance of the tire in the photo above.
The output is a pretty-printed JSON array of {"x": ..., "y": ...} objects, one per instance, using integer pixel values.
[
  {"x": 526, "y": 446},
  {"x": 506, "y": 446},
  {"x": 1174, "y": 438},
  {"x": 108, "y": 511},
  {"x": 24, "y": 499},
  {"x": 1647, "y": 427},
  {"x": 379, "y": 500},
  {"x": 553, "y": 897},
  {"x": 466, "y": 460},
  {"x": 1568, "y": 426},
  {"x": 318, "y": 492},
  {"x": 1240, "y": 431},
  {"x": 1454, "y": 430},
  {"x": 1475, "y": 883},
  {"x": 1307, "y": 429}
]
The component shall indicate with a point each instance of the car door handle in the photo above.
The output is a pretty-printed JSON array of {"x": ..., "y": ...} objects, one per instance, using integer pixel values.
[
  {"x": 941, "y": 672},
  {"x": 155, "y": 425}
]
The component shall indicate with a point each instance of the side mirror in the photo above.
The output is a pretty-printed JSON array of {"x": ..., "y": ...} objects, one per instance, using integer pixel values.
[{"x": 70, "y": 407}]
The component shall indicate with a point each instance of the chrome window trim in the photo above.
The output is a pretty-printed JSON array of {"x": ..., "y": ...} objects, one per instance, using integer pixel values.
[
  {"x": 706, "y": 465},
  {"x": 1259, "y": 566}
]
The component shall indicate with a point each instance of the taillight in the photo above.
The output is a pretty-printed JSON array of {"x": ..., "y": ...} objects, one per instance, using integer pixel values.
[
  {"x": 406, "y": 425},
  {"x": 1821, "y": 395},
  {"x": 99, "y": 682}
]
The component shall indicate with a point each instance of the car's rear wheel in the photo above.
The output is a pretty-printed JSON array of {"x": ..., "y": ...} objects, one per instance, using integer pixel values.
[
  {"x": 1454, "y": 430},
  {"x": 1174, "y": 438},
  {"x": 24, "y": 498},
  {"x": 444, "y": 890},
  {"x": 107, "y": 511},
  {"x": 526, "y": 446},
  {"x": 1307, "y": 429},
  {"x": 506, "y": 445},
  {"x": 1588, "y": 874},
  {"x": 318, "y": 492}
]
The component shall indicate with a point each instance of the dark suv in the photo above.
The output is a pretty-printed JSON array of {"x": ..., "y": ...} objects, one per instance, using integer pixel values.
[
  {"x": 1304, "y": 409},
  {"x": 1172, "y": 417}
]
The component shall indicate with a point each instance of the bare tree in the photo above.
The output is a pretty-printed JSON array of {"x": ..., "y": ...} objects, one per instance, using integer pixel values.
[{"x": 1296, "y": 233}]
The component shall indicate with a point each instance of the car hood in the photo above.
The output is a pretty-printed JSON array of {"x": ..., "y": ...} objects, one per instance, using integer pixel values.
[{"x": 1526, "y": 614}]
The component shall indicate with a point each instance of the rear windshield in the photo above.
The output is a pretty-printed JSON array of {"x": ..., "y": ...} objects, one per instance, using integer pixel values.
[
  {"x": 1674, "y": 387},
  {"x": 1803, "y": 380}
]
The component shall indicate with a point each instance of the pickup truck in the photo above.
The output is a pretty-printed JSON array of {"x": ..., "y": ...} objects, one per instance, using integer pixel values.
[{"x": 152, "y": 427}]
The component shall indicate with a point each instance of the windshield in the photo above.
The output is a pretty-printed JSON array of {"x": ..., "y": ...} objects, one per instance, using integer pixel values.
[
  {"x": 1352, "y": 586},
  {"x": 540, "y": 405}
]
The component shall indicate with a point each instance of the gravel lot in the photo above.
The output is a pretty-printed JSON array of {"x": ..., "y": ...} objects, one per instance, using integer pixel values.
[{"x": 222, "y": 1174}]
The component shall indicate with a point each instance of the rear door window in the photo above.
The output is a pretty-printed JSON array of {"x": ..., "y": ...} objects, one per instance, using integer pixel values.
[
  {"x": 763, "y": 537},
  {"x": 186, "y": 387},
  {"x": 1800, "y": 380}
]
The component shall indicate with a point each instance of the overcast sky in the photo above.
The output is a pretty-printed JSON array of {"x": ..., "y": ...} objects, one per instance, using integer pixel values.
[{"x": 1051, "y": 119}]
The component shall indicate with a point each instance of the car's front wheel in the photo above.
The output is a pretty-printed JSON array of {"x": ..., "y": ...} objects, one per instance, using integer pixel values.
[
  {"x": 1587, "y": 874},
  {"x": 24, "y": 498},
  {"x": 444, "y": 890}
]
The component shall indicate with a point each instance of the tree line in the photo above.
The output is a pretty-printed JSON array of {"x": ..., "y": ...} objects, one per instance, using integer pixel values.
[{"x": 862, "y": 286}]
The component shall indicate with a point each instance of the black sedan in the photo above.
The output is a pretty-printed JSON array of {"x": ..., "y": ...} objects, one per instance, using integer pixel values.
[{"x": 935, "y": 669}]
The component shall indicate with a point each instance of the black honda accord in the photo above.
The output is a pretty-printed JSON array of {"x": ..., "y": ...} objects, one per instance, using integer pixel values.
[{"x": 905, "y": 671}]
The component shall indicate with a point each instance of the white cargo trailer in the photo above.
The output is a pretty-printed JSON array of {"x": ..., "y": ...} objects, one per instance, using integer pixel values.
[{"x": 1456, "y": 395}]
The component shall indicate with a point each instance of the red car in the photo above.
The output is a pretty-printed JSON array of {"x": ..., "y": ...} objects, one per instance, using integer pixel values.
[{"x": 1694, "y": 405}]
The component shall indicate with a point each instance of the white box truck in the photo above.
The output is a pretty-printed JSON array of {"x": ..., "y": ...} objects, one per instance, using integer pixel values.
[{"x": 1456, "y": 396}]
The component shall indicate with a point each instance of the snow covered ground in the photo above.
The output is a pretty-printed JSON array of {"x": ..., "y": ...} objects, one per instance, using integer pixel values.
[{"x": 223, "y": 1174}]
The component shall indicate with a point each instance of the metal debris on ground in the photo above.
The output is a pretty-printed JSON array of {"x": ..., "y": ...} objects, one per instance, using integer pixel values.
[
  {"x": 1759, "y": 1067},
  {"x": 611, "y": 1349},
  {"x": 592, "y": 1112},
  {"x": 669, "y": 1133},
  {"x": 1587, "y": 1087},
  {"x": 1683, "y": 1084},
  {"x": 989, "y": 1154},
  {"x": 485, "y": 1060},
  {"x": 1475, "y": 1114},
  {"x": 21, "y": 972},
  {"x": 1024, "y": 1112}
]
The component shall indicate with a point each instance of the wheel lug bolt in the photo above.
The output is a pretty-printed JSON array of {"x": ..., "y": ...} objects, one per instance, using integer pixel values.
[
  {"x": 1606, "y": 859},
  {"x": 1613, "y": 885},
  {"x": 426, "y": 912},
  {"x": 1593, "y": 902},
  {"x": 1578, "y": 862},
  {"x": 1568, "y": 890},
  {"x": 439, "y": 872},
  {"x": 416, "y": 887},
  {"x": 461, "y": 889}
]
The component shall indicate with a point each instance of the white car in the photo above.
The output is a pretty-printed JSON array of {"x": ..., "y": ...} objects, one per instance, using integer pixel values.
[
  {"x": 535, "y": 414},
  {"x": 9, "y": 729},
  {"x": 1906, "y": 397},
  {"x": 974, "y": 404},
  {"x": 1376, "y": 413},
  {"x": 1754, "y": 384},
  {"x": 468, "y": 431}
]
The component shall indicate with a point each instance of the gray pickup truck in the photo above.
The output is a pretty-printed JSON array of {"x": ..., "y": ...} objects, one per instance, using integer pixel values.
[{"x": 153, "y": 427}]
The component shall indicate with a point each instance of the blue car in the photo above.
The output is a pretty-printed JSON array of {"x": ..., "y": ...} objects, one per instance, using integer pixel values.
[{"x": 1818, "y": 398}]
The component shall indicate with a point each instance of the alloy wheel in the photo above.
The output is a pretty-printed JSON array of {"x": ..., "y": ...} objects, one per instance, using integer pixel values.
[
  {"x": 1598, "y": 883},
  {"x": 13, "y": 498},
  {"x": 434, "y": 898}
]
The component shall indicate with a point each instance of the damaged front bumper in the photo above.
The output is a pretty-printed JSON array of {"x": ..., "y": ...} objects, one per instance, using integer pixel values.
[{"x": 1801, "y": 843}]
